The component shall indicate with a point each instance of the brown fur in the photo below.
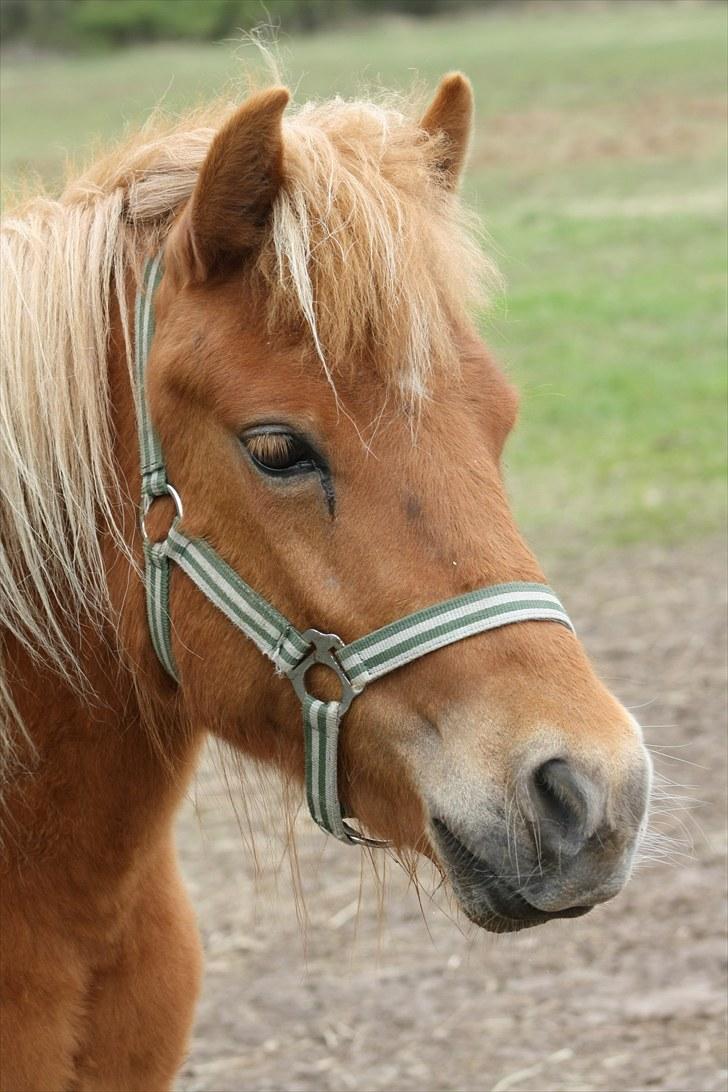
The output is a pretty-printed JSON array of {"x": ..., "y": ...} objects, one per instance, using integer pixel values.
[{"x": 101, "y": 961}]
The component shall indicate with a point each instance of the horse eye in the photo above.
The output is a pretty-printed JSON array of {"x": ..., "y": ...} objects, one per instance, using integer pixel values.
[{"x": 279, "y": 451}]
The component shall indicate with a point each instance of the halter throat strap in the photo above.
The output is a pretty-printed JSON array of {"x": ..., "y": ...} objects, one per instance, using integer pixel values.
[{"x": 291, "y": 651}]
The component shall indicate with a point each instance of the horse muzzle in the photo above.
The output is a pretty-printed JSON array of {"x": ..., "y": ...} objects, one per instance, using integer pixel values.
[{"x": 563, "y": 844}]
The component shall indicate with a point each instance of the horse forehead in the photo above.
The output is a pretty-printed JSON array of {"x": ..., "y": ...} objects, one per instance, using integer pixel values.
[{"x": 225, "y": 331}]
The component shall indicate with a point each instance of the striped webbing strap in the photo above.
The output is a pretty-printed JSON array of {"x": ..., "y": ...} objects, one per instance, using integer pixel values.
[
  {"x": 292, "y": 652},
  {"x": 154, "y": 482}
]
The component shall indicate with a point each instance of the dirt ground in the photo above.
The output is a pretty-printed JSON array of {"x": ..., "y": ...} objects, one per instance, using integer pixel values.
[{"x": 365, "y": 996}]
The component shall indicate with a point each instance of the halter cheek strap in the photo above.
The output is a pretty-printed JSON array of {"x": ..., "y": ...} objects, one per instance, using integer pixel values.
[{"x": 291, "y": 651}]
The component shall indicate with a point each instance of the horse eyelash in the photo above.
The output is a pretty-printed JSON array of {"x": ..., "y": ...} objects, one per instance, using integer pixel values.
[{"x": 270, "y": 446}]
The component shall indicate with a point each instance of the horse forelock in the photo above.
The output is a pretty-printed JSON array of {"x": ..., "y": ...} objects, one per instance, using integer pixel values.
[{"x": 368, "y": 247}]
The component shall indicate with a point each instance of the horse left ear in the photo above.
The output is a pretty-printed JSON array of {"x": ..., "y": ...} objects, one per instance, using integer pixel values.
[
  {"x": 451, "y": 113},
  {"x": 238, "y": 182}
]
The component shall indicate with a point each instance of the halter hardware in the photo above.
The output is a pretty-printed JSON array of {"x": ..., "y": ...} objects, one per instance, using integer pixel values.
[
  {"x": 323, "y": 651},
  {"x": 149, "y": 500},
  {"x": 293, "y": 653}
]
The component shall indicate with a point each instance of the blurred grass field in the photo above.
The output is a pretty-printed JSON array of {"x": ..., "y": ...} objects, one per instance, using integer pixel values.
[{"x": 599, "y": 167}]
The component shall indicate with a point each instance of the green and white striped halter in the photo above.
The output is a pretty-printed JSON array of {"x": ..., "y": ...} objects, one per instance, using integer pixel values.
[{"x": 293, "y": 652}]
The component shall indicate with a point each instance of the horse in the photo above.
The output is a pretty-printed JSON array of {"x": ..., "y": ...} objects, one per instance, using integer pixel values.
[{"x": 329, "y": 430}]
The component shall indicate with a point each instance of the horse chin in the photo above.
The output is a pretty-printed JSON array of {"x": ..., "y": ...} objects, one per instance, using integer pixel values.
[
  {"x": 494, "y": 923},
  {"x": 486, "y": 898}
]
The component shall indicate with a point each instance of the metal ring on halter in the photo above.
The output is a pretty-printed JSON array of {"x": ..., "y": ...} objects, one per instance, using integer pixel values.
[
  {"x": 325, "y": 646},
  {"x": 358, "y": 839},
  {"x": 169, "y": 491}
]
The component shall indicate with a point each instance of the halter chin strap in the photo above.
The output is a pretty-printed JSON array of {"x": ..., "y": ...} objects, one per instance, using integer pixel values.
[{"x": 291, "y": 651}]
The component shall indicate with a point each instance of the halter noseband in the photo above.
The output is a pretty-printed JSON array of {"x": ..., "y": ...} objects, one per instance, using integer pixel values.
[{"x": 292, "y": 652}]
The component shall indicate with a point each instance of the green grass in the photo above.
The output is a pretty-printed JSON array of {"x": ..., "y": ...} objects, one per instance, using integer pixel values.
[{"x": 599, "y": 167}]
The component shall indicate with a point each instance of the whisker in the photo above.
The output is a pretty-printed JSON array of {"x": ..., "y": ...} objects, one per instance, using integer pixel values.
[{"x": 676, "y": 758}]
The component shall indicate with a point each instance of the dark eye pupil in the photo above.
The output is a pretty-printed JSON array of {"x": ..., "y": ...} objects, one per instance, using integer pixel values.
[{"x": 278, "y": 451}]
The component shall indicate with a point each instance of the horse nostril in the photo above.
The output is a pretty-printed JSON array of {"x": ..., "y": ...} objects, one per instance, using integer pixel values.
[{"x": 568, "y": 807}]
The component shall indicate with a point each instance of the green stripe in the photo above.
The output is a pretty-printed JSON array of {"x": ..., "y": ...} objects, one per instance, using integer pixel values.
[
  {"x": 308, "y": 746},
  {"x": 461, "y": 602},
  {"x": 152, "y": 462},
  {"x": 321, "y": 743},
  {"x": 157, "y": 600},
  {"x": 284, "y": 644},
  {"x": 246, "y": 621},
  {"x": 449, "y": 630},
  {"x": 255, "y": 602}
]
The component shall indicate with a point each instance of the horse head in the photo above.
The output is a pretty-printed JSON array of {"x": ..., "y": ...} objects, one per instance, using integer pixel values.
[{"x": 334, "y": 426}]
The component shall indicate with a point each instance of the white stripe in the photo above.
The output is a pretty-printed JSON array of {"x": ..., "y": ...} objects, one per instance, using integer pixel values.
[
  {"x": 219, "y": 582},
  {"x": 157, "y": 593},
  {"x": 139, "y": 387},
  {"x": 159, "y": 627},
  {"x": 442, "y": 640},
  {"x": 289, "y": 644},
  {"x": 331, "y": 773},
  {"x": 148, "y": 300},
  {"x": 249, "y": 606},
  {"x": 313, "y": 738},
  {"x": 289, "y": 654},
  {"x": 152, "y": 607},
  {"x": 230, "y": 612},
  {"x": 463, "y": 611},
  {"x": 165, "y": 627}
]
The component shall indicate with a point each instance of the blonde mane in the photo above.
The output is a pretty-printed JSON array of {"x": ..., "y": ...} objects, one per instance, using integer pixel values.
[{"x": 368, "y": 253}]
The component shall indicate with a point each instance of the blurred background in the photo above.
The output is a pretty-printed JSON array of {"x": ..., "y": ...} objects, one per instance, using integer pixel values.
[{"x": 599, "y": 169}]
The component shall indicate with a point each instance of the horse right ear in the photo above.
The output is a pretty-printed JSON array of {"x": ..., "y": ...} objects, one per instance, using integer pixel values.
[
  {"x": 226, "y": 216},
  {"x": 451, "y": 114}
]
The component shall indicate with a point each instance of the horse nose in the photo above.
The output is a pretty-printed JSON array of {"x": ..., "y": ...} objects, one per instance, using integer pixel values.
[{"x": 567, "y": 807}]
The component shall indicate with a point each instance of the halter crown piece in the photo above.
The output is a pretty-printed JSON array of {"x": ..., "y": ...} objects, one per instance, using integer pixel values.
[{"x": 293, "y": 652}]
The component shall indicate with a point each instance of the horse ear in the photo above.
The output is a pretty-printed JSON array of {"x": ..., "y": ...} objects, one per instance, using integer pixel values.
[
  {"x": 451, "y": 113},
  {"x": 238, "y": 182}
]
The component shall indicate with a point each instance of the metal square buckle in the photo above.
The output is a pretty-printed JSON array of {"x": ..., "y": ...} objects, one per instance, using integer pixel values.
[{"x": 323, "y": 651}]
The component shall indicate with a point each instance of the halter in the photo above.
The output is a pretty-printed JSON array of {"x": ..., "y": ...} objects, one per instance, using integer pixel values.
[{"x": 293, "y": 652}]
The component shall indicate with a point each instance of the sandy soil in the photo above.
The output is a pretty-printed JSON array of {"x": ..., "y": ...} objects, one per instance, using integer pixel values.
[{"x": 368, "y": 997}]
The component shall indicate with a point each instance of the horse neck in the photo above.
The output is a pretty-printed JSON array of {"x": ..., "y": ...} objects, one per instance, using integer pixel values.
[{"x": 92, "y": 761}]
